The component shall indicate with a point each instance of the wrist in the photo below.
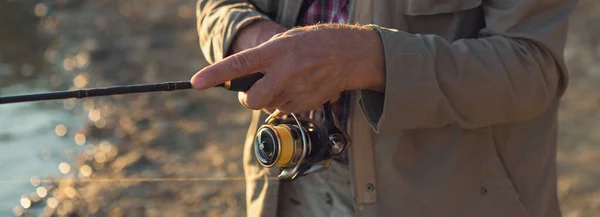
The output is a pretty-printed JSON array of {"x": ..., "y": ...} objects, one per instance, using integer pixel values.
[
  {"x": 254, "y": 34},
  {"x": 371, "y": 74}
]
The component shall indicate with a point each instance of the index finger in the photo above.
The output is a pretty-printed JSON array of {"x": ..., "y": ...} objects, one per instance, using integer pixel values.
[{"x": 243, "y": 63}]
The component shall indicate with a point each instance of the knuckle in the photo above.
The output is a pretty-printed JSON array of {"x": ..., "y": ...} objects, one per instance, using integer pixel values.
[
  {"x": 280, "y": 46},
  {"x": 240, "y": 63}
]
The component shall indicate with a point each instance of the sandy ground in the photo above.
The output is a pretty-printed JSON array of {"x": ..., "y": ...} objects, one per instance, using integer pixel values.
[{"x": 189, "y": 134}]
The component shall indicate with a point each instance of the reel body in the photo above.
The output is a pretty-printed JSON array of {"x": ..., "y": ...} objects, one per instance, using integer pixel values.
[{"x": 299, "y": 146}]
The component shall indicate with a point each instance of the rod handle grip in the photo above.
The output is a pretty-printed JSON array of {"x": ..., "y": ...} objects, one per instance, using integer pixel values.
[{"x": 242, "y": 84}]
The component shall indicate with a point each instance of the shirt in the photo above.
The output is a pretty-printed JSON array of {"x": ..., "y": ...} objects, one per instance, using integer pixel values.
[{"x": 330, "y": 11}]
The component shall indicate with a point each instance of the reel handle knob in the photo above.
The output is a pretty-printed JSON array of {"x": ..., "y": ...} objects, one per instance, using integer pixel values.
[{"x": 242, "y": 84}]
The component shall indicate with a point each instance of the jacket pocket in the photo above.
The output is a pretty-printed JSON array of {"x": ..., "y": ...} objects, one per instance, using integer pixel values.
[
  {"x": 500, "y": 194},
  {"x": 430, "y": 7}
]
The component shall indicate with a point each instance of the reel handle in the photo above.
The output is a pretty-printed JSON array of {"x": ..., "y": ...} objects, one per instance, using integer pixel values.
[{"x": 242, "y": 84}]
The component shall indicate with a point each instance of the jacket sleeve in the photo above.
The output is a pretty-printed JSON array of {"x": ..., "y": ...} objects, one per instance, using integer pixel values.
[
  {"x": 512, "y": 72},
  {"x": 218, "y": 21}
]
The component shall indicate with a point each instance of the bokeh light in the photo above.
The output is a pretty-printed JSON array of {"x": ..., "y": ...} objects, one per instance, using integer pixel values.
[
  {"x": 40, "y": 10},
  {"x": 18, "y": 211},
  {"x": 100, "y": 157},
  {"x": 80, "y": 138},
  {"x": 41, "y": 191},
  {"x": 60, "y": 130},
  {"x": 25, "y": 202},
  {"x": 82, "y": 59},
  {"x": 105, "y": 146},
  {"x": 52, "y": 202},
  {"x": 80, "y": 81},
  {"x": 100, "y": 123},
  {"x": 112, "y": 153},
  {"x": 64, "y": 168},
  {"x": 85, "y": 171},
  {"x": 94, "y": 115},
  {"x": 68, "y": 64},
  {"x": 70, "y": 192}
]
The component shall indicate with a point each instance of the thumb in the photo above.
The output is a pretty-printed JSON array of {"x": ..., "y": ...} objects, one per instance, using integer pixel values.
[{"x": 243, "y": 63}]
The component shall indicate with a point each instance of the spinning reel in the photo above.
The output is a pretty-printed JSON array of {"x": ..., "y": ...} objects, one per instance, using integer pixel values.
[{"x": 299, "y": 146}]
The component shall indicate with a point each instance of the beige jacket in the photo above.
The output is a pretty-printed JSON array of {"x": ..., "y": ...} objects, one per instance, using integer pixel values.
[{"x": 467, "y": 125}]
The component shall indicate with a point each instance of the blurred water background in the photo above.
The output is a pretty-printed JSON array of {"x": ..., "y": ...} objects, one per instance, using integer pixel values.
[{"x": 65, "y": 44}]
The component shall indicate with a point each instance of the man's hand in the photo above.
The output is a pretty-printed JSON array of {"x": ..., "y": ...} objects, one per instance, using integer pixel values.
[{"x": 304, "y": 67}]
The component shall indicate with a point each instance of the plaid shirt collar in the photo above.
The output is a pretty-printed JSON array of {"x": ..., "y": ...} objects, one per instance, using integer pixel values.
[{"x": 325, "y": 11}]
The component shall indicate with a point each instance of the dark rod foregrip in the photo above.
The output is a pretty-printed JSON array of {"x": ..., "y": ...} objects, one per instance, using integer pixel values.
[{"x": 243, "y": 83}]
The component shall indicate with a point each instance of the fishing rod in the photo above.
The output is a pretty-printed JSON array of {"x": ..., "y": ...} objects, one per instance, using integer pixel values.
[
  {"x": 299, "y": 146},
  {"x": 240, "y": 84}
]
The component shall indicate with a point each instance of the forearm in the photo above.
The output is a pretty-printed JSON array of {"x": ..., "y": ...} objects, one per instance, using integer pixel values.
[
  {"x": 506, "y": 75},
  {"x": 473, "y": 82}
]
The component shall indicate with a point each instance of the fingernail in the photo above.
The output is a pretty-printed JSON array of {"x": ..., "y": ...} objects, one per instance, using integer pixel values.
[{"x": 198, "y": 83}]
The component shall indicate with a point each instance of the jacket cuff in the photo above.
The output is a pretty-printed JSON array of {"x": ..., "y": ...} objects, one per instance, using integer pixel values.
[
  {"x": 240, "y": 19},
  {"x": 406, "y": 102},
  {"x": 218, "y": 33}
]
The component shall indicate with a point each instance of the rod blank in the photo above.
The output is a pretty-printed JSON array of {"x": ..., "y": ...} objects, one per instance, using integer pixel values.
[
  {"x": 83, "y": 93},
  {"x": 239, "y": 84}
]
